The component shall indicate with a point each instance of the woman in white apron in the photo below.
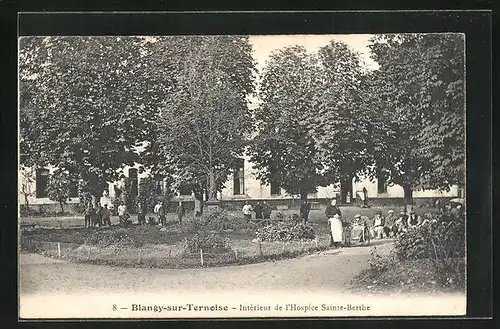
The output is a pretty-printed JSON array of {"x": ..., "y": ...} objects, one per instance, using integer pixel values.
[{"x": 336, "y": 230}]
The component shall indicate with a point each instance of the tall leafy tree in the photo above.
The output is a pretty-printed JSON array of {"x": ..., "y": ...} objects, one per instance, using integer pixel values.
[
  {"x": 206, "y": 122},
  {"x": 84, "y": 101},
  {"x": 342, "y": 128},
  {"x": 285, "y": 148},
  {"x": 420, "y": 91}
]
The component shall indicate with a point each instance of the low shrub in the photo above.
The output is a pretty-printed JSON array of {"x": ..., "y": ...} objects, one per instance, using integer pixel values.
[
  {"x": 288, "y": 230},
  {"x": 431, "y": 255},
  {"x": 118, "y": 237},
  {"x": 206, "y": 242}
]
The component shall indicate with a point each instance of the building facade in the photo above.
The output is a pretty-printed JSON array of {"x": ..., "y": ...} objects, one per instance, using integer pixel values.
[{"x": 241, "y": 185}]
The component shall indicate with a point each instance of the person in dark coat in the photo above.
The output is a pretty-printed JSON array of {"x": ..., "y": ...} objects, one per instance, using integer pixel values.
[
  {"x": 181, "y": 211},
  {"x": 89, "y": 214},
  {"x": 332, "y": 209},
  {"x": 266, "y": 210},
  {"x": 365, "y": 196},
  {"x": 305, "y": 208},
  {"x": 98, "y": 215},
  {"x": 106, "y": 214},
  {"x": 258, "y": 210},
  {"x": 141, "y": 216},
  {"x": 162, "y": 212}
]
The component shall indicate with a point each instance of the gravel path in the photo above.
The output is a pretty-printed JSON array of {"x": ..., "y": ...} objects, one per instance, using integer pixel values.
[{"x": 330, "y": 270}]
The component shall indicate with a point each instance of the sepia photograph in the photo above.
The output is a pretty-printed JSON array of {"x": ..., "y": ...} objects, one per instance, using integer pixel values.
[{"x": 236, "y": 176}]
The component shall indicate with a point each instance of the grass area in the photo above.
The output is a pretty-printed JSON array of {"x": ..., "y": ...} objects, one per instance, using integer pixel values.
[{"x": 162, "y": 246}]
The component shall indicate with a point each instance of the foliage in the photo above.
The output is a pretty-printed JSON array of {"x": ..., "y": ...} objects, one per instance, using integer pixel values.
[
  {"x": 419, "y": 91},
  {"x": 341, "y": 127},
  {"x": 85, "y": 101},
  {"x": 443, "y": 238},
  {"x": 205, "y": 242},
  {"x": 289, "y": 230},
  {"x": 284, "y": 149},
  {"x": 147, "y": 192},
  {"x": 205, "y": 123},
  {"x": 118, "y": 237},
  {"x": 58, "y": 188}
]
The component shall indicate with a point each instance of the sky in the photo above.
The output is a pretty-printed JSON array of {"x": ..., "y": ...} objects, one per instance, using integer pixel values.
[{"x": 264, "y": 45}]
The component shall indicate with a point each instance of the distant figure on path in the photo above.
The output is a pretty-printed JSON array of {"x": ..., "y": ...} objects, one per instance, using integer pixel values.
[
  {"x": 336, "y": 230},
  {"x": 258, "y": 210},
  {"x": 247, "y": 211},
  {"x": 305, "y": 208},
  {"x": 106, "y": 214},
  {"x": 365, "y": 197},
  {"x": 181, "y": 211},
  {"x": 156, "y": 210}
]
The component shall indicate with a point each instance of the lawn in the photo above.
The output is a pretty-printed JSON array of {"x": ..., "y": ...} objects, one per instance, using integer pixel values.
[{"x": 162, "y": 246}]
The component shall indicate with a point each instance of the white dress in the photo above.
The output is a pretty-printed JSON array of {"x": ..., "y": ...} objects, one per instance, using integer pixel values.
[{"x": 336, "y": 227}]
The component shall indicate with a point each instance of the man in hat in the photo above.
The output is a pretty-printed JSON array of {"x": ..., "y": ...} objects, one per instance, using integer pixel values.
[{"x": 389, "y": 223}]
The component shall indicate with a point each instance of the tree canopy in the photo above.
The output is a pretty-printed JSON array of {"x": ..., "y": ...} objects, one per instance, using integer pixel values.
[
  {"x": 85, "y": 101},
  {"x": 284, "y": 149},
  {"x": 206, "y": 123},
  {"x": 419, "y": 90}
]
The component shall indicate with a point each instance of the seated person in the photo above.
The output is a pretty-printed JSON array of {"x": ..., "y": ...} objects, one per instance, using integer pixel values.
[
  {"x": 358, "y": 228},
  {"x": 377, "y": 230}
]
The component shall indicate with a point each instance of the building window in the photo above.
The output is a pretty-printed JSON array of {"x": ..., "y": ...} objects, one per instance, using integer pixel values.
[
  {"x": 158, "y": 184},
  {"x": 134, "y": 182},
  {"x": 185, "y": 189},
  {"x": 239, "y": 178},
  {"x": 381, "y": 184},
  {"x": 275, "y": 187},
  {"x": 42, "y": 180}
]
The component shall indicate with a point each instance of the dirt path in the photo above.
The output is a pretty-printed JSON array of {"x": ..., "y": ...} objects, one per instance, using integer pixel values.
[{"x": 330, "y": 271}]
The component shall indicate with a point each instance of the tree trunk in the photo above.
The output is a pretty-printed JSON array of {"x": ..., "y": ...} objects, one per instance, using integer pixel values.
[
  {"x": 408, "y": 194},
  {"x": 345, "y": 188},
  {"x": 303, "y": 196},
  {"x": 213, "y": 186},
  {"x": 26, "y": 203}
]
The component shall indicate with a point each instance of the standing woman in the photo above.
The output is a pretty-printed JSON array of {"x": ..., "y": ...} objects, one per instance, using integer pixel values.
[{"x": 336, "y": 230}]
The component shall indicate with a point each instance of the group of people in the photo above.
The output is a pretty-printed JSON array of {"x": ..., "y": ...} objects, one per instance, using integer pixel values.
[
  {"x": 379, "y": 226},
  {"x": 262, "y": 210},
  {"x": 101, "y": 215}
]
